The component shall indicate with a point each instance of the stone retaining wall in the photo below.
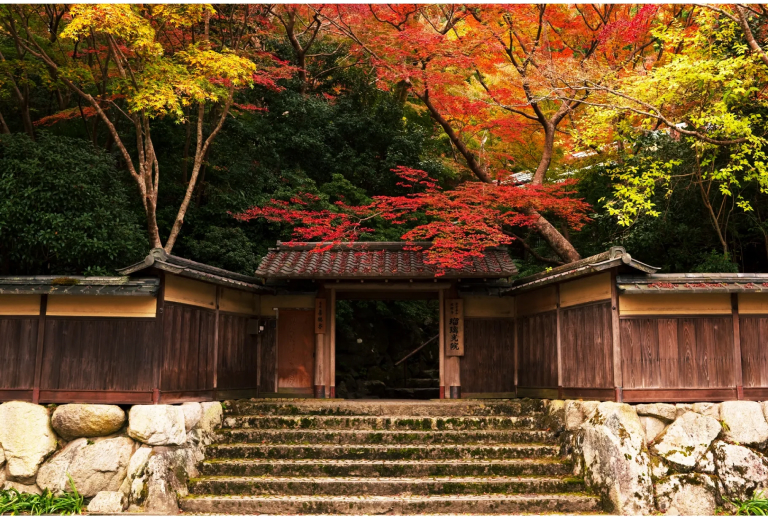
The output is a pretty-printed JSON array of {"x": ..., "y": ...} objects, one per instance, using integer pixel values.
[
  {"x": 138, "y": 460},
  {"x": 678, "y": 459}
]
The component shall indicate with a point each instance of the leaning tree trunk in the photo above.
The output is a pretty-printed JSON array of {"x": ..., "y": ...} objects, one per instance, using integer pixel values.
[{"x": 548, "y": 232}]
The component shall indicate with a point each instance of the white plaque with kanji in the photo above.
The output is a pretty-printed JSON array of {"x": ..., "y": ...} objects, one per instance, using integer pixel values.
[{"x": 454, "y": 327}]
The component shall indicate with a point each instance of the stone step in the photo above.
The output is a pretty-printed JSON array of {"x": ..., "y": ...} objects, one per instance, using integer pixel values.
[
  {"x": 380, "y": 452},
  {"x": 344, "y": 436},
  {"x": 421, "y": 468},
  {"x": 390, "y": 486},
  {"x": 391, "y": 408},
  {"x": 403, "y": 505},
  {"x": 412, "y": 393},
  {"x": 414, "y": 423}
]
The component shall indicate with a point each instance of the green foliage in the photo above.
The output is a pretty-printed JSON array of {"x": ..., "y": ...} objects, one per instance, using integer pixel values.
[
  {"x": 12, "y": 502},
  {"x": 228, "y": 248},
  {"x": 63, "y": 209},
  {"x": 755, "y": 505},
  {"x": 715, "y": 262},
  {"x": 338, "y": 150},
  {"x": 680, "y": 236}
]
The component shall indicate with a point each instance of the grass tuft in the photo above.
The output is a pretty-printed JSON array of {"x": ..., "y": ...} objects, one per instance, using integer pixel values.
[
  {"x": 756, "y": 505},
  {"x": 13, "y": 502}
]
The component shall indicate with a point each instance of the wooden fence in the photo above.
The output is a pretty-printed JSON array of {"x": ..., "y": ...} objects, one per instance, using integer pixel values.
[{"x": 177, "y": 352}]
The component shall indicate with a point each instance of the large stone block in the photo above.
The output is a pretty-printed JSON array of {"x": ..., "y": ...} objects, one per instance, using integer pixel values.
[
  {"x": 687, "y": 494},
  {"x": 157, "y": 425},
  {"x": 205, "y": 430},
  {"x": 107, "y": 503},
  {"x": 21, "y": 487},
  {"x": 707, "y": 409},
  {"x": 664, "y": 412},
  {"x": 193, "y": 412},
  {"x": 683, "y": 409},
  {"x": 742, "y": 471},
  {"x": 26, "y": 437},
  {"x": 653, "y": 427},
  {"x": 577, "y": 411},
  {"x": 72, "y": 421},
  {"x": 745, "y": 423},
  {"x": 53, "y": 474},
  {"x": 617, "y": 465},
  {"x": 95, "y": 466},
  {"x": 167, "y": 475},
  {"x": 136, "y": 476},
  {"x": 686, "y": 440},
  {"x": 706, "y": 464}
]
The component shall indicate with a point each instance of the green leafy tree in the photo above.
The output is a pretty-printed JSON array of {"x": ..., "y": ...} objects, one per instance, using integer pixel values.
[{"x": 63, "y": 209}]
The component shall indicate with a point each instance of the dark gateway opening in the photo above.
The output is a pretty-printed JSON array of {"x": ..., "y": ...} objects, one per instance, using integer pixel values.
[{"x": 387, "y": 349}]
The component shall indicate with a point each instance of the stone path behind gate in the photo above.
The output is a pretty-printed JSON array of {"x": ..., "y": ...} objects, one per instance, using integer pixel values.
[{"x": 395, "y": 457}]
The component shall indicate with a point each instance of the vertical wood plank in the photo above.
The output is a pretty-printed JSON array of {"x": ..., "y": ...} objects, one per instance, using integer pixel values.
[
  {"x": 18, "y": 347},
  {"x": 668, "y": 376},
  {"x": 515, "y": 327},
  {"x": 749, "y": 331},
  {"x": 626, "y": 327},
  {"x": 268, "y": 358},
  {"x": 332, "y": 347},
  {"x": 216, "y": 340},
  {"x": 489, "y": 359},
  {"x": 705, "y": 353},
  {"x": 687, "y": 352},
  {"x": 39, "y": 351},
  {"x": 760, "y": 356},
  {"x": 558, "y": 339},
  {"x": 160, "y": 340},
  {"x": 618, "y": 381},
  {"x": 738, "y": 374},
  {"x": 441, "y": 339}
]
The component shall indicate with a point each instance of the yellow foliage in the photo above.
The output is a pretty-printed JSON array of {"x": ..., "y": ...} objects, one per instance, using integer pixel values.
[
  {"x": 160, "y": 83},
  {"x": 708, "y": 81}
]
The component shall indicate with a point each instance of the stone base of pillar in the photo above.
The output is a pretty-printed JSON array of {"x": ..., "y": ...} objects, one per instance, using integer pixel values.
[
  {"x": 455, "y": 392},
  {"x": 319, "y": 391}
]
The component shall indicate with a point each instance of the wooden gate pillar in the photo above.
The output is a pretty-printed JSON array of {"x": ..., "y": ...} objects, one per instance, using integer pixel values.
[
  {"x": 321, "y": 322},
  {"x": 332, "y": 345},
  {"x": 452, "y": 326}
]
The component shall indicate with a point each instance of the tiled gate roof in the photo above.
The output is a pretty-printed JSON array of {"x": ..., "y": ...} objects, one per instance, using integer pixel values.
[{"x": 371, "y": 260}]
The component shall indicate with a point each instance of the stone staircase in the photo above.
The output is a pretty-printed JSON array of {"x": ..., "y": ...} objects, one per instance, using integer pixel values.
[{"x": 386, "y": 457}]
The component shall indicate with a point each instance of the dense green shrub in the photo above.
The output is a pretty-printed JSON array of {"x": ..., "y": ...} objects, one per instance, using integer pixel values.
[{"x": 64, "y": 208}]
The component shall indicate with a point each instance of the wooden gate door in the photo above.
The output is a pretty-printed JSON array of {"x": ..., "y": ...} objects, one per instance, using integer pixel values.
[{"x": 296, "y": 351}]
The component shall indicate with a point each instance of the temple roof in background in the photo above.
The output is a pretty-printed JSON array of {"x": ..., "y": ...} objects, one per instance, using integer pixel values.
[{"x": 372, "y": 260}]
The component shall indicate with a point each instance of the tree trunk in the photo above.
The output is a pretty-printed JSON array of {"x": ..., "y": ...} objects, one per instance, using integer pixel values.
[
  {"x": 549, "y": 233},
  {"x": 152, "y": 229},
  {"x": 554, "y": 238},
  {"x": 3, "y": 125},
  {"x": 546, "y": 155}
]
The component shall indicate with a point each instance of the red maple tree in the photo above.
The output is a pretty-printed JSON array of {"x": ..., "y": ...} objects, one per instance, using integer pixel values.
[
  {"x": 502, "y": 81},
  {"x": 460, "y": 223}
]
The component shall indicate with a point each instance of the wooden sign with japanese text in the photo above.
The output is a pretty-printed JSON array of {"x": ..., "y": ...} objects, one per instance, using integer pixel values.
[
  {"x": 454, "y": 328},
  {"x": 321, "y": 317}
]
